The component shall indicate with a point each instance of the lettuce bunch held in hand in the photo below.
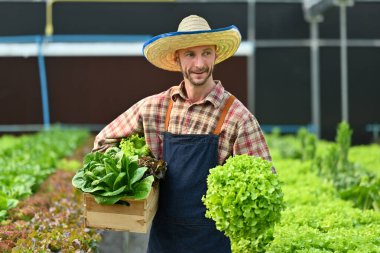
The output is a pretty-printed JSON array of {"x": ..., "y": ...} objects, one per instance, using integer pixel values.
[
  {"x": 134, "y": 145},
  {"x": 245, "y": 200}
]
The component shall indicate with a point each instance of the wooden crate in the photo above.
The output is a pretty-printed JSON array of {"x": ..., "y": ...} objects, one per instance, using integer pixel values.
[{"x": 136, "y": 217}]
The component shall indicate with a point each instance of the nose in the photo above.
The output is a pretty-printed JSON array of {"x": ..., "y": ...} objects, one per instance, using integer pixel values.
[{"x": 198, "y": 61}]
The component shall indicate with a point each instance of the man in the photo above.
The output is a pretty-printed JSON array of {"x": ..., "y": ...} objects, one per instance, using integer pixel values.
[{"x": 193, "y": 127}]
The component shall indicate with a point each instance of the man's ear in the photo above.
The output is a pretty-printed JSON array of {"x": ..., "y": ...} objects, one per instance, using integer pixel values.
[{"x": 176, "y": 58}]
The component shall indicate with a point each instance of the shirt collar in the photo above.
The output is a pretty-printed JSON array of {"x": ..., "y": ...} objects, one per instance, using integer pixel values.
[{"x": 215, "y": 96}]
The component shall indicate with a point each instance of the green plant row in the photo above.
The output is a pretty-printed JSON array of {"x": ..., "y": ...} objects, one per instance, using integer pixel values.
[
  {"x": 316, "y": 219},
  {"x": 26, "y": 164},
  {"x": 7, "y": 141},
  {"x": 367, "y": 156},
  {"x": 353, "y": 181},
  {"x": 353, "y": 171},
  {"x": 49, "y": 221}
]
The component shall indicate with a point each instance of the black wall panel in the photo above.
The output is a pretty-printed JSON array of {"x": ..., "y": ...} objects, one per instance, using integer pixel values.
[
  {"x": 329, "y": 27},
  {"x": 22, "y": 18},
  {"x": 364, "y": 21},
  {"x": 142, "y": 18},
  {"x": 280, "y": 21},
  {"x": 283, "y": 86},
  {"x": 330, "y": 92},
  {"x": 364, "y": 90}
]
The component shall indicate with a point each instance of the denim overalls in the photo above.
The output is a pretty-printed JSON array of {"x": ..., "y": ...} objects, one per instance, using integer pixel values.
[{"x": 180, "y": 225}]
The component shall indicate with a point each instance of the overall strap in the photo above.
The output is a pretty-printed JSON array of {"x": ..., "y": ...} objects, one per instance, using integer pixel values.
[
  {"x": 168, "y": 114},
  {"x": 223, "y": 115}
]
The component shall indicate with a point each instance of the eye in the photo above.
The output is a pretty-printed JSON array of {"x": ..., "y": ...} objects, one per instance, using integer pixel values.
[{"x": 189, "y": 54}]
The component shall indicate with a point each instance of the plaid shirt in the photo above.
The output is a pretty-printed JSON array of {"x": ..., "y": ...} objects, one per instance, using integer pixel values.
[{"x": 240, "y": 133}]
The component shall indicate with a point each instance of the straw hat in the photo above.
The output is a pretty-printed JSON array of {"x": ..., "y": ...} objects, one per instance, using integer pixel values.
[{"x": 192, "y": 31}]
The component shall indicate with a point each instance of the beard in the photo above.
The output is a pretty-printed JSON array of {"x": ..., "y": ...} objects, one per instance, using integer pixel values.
[{"x": 197, "y": 82}]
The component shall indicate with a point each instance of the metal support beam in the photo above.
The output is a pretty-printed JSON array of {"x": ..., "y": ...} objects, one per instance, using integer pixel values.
[
  {"x": 251, "y": 89},
  {"x": 315, "y": 82},
  {"x": 343, "y": 62},
  {"x": 313, "y": 11}
]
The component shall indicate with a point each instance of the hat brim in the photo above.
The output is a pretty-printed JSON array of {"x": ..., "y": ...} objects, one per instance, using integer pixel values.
[{"x": 160, "y": 50}]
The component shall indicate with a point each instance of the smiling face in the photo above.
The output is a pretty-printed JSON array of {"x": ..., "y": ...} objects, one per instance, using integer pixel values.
[{"x": 197, "y": 64}]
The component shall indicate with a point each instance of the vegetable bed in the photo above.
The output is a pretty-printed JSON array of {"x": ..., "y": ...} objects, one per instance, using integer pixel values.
[
  {"x": 50, "y": 220},
  {"x": 26, "y": 163},
  {"x": 317, "y": 220},
  {"x": 331, "y": 193}
]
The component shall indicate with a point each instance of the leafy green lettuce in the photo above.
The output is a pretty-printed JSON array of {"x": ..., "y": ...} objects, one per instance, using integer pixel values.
[
  {"x": 120, "y": 172},
  {"x": 111, "y": 176},
  {"x": 134, "y": 145},
  {"x": 245, "y": 200}
]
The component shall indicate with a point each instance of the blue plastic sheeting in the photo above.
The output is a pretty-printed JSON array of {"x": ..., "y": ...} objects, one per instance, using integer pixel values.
[
  {"x": 375, "y": 129},
  {"x": 287, "y": 128},
  {"x": 20, "y": 39}
]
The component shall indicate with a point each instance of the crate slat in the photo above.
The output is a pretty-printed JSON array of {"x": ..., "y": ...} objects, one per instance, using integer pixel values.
[{"x": 136, "y": 217}]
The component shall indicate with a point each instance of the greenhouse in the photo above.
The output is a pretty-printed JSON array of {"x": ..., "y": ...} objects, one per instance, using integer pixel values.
[{"x": 190, "y": 126}]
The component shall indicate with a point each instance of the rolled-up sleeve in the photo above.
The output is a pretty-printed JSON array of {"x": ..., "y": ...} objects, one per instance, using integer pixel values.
[
  {"x": 250, "y": 139},
  {"x": 129, "y": 122}
]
